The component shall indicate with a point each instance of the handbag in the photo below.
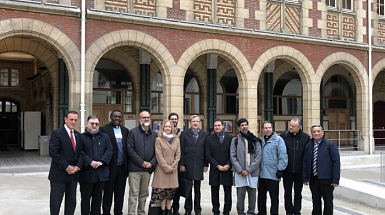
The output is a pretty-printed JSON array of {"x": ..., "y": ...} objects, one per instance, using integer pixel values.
[{"x": 185, "y": 186}]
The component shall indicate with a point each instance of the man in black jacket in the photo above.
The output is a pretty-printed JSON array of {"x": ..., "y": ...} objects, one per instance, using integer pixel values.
[
  {"x": 295, "y": 140},
  {"x": 141, "y": 163},
  {"x": 218, "y": 155},
  {"x": 116, "y": 185},
  {"x": 96, "y": 155}
]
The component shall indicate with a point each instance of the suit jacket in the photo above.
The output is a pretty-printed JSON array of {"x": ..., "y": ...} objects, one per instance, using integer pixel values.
[
  {"x": 193, "y": 154},
  {"x": 62, "y": 153},
  {"x": 219, "y": 154},
  {"x": 109, "y": 129}
]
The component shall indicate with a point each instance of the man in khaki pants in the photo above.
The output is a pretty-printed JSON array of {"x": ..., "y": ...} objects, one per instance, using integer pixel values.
[{"x": 141, "y": 163}]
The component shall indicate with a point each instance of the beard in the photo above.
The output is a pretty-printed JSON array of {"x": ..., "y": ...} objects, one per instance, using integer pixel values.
[
  {"x": 146, "y": 124},
  {"x": 93, "y": 132}
]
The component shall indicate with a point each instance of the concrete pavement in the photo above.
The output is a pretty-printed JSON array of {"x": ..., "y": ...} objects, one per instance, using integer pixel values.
[{"x": 25, "y": 188}]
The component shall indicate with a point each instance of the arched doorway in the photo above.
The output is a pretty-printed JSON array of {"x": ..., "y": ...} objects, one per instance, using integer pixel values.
[
  {"x": 112, "y": 89},
  {"x": 338, "y": 109}
]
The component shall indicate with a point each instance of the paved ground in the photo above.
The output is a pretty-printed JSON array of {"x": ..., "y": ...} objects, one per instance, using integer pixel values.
[{"x": 25, "y": 188}]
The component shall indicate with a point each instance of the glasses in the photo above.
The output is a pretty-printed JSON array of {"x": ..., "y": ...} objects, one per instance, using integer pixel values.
[
  {"x": 94, "y": 123},
  {"x": 145, "y": 117}
]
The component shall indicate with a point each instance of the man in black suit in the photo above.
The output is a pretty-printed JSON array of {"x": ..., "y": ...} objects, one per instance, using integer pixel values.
[
  {"x": 116, "y": 185},
  {"x": 218, "y": 155},
  {"x": 64, "y": 149},
  {"x": 193, "y": 162}
]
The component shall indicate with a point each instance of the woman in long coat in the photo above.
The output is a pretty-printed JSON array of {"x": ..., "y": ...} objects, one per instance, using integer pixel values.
[{"x": 165, "y": 181}]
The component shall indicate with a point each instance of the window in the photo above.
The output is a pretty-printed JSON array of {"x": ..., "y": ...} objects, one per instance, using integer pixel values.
[
  {"x": 331, "y": 3},
  {"x": 191, "y": 94},
  {"x": 287, "y": 99},
  {"x": 112, "y": 85},
  {"x": 380, "y": 7},
  {"x": 9, "y": 77},
  {"x": 338, "y": 94},
  {"x": 8, "y": 106},
  {"x": 347, "y": 4},
  {"x": 227, "y": 94},
  {"x": 157, "y": 94}
]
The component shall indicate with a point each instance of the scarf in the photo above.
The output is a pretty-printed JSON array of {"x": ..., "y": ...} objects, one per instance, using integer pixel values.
[
  {"x": 251, "y": 139},
  {"x": 168, "y": 137},
  {"x": 220, "y": 135}
]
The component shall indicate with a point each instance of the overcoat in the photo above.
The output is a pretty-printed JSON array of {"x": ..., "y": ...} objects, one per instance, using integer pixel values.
[
  {"x": 193, "y": 154},
  {"x": 167, "y": 155},
  {"x": 219, "y": 154},
  {"x": 95, "y": 148}
]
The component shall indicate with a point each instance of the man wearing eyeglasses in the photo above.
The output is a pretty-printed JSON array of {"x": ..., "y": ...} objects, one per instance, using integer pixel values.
[
  {"x": 141, "y": 163},
  {"x": 321, "y": 170},
  {"x": 96, "y": 155}
]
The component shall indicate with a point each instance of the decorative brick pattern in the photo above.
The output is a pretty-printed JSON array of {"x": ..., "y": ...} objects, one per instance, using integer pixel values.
[
  {"x": 145, "y": 7},
  {"x": 332, "y": 25},
  {"x": 226, "y": 12},
  {"x": 381, "y": 32},
  {"x": 273, "y": 17},
  {"x": 292, "y": 20},
  {"x": 116, "y": 5},
  {"x": 175, "y": 12},
  {"x": 202, "y": 11},
  {"x": 348, "y": 29}
]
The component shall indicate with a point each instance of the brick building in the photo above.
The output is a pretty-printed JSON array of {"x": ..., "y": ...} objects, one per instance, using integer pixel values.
[{"x": 319, "y": 60}]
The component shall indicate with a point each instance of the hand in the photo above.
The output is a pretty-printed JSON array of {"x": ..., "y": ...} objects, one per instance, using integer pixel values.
[
  {"x": 334, "y": 185},
  {"x": 220, "y": 167},
  {"x": 149, "y": 165},
  {"x": 71, "y": 170},
  {"x": 182, "y": 169},
  {"x": 226, "y": 167},
  {"x": 244, "y": 172},
  {"x": 95, "y": 164},
  {"x": 306, "y": 183},
  {"x": 146, "y": 165},
  {"x": 279, "y": 174},
  {"x": 205, "y": 169}
]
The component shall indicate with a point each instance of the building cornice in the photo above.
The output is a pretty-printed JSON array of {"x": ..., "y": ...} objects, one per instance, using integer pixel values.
[{"x": 41, "y": 7}]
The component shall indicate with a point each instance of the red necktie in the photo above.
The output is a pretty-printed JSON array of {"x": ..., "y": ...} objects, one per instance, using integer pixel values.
[{"x": 73, "y": 141}]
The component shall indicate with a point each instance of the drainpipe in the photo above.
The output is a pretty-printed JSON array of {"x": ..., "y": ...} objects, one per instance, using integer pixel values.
[
  {"x": 82, "y": 65},
  {"x": 370, "y": 103}
]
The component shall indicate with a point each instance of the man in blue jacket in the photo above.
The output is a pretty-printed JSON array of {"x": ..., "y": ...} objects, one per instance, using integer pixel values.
[
  {"x": 274, "y": 161},
  {"x": 321, "y": 169}
]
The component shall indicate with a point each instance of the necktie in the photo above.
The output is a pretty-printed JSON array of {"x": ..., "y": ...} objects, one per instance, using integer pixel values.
[
  {"x": 195, "y": 136},
  {"x": 315, "y": 159},
  {"x": 73, "y": 141}
]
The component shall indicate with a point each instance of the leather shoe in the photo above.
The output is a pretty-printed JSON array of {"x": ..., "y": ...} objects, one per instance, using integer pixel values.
[
  {"x": 198, "y": 213},
  {"x": 187, "y": 213}
]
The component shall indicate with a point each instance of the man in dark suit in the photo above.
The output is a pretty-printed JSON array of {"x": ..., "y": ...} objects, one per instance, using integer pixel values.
[
  {"x": 193, "y": 162},
  {"x": 321, "y": 169},
  {"x": 218, "y": 155},
  {"x": 116, "y": 184},
  {"x": 64, "y": 149}
]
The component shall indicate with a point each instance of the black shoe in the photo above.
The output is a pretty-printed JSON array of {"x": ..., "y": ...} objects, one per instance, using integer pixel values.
[{"x": 162, "y": 212}]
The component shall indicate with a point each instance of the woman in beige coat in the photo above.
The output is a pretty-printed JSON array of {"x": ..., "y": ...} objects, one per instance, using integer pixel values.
[{"x": 165, "y": 181}]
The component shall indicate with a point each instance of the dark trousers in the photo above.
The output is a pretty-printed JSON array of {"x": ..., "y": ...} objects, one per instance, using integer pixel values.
[
  {"x": 271, "y": 186},
  {"x": 251, "y": 194},
  {"x": 215, "y": 199},
  {"x": 56, "y": 197},
  {"x": 321, "y": 188},
  {"x": 197, "y": 198},
  {"x": 289, "y": 179},
  {"x": 175, "y": 203},
  {"x": 91, "y": 192},
  {"x": 114, "y": 189}
]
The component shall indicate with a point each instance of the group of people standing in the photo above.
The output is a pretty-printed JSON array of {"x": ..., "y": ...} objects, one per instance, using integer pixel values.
[{"x": 102, "y": 159}]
